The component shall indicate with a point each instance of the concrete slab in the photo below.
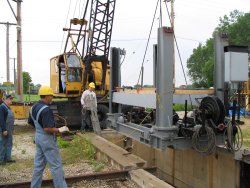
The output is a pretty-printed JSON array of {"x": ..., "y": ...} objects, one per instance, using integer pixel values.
[
  {"x": 146, "y": 180},
  {"x": 114, "y": 153}
]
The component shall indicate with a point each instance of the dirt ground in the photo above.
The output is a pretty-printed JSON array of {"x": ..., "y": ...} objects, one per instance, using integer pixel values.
[{"x": 24, "y": 151}]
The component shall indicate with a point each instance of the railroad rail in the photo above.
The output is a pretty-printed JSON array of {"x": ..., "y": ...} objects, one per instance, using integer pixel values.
[{"x": 117, "y": 174}]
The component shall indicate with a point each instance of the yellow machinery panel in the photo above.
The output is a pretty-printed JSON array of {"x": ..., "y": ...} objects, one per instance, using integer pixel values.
[
  {"x": 54, "y": 75},
  {"x": 21, "y": 111}
]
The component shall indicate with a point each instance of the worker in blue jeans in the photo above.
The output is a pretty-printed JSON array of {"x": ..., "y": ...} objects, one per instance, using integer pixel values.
[
  {"x": 47, "y": 151},
  {"x": 10, "y": 127},
  {"x": 4, "y": 133}
]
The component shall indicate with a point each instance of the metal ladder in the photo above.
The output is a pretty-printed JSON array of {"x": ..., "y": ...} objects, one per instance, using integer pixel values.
[{"x": 95, "y": 122}]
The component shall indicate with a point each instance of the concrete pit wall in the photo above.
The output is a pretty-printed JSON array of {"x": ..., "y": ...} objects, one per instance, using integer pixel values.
[{"x": 188, "y": 168}]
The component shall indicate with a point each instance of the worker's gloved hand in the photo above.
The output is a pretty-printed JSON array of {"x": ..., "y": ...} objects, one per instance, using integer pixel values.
[
  {"x": 63, "y": 129},
  {"x": 5, "y": 133}
]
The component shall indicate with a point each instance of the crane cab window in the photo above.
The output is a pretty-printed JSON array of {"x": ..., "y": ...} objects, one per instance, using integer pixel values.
[
  {"x": 74, "y": 75},
  {"x": 73, "y": 61},
  {"x": 74, "y": 68}
]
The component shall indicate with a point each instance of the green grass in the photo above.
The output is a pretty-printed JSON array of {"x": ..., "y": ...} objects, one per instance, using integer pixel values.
[
  {"x": 246, "y": 134},
  {"x": 181, "y": 107},
  {"x": 62, "y": 143},
  {"x": 246, "y": 137},
  {"x": 98, "y": 166},
  {"x": 77, "y": 149},
  {"x": 246, "y": 143},
  {"x": 35, "y": 98}
]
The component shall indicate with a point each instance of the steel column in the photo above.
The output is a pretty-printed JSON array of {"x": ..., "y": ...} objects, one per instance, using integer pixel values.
[
  {"x": 220, "y": 41},
  {"x": 164, "y": 78},
  {"x": 115, "y": 77}
]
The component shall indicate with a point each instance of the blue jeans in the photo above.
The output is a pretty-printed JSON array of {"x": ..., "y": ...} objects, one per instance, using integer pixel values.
[
  {"x": 9, "y": 146},
  {"x": 3, "y": 148}
]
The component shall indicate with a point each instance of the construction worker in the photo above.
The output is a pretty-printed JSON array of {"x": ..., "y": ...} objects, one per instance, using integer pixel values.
[
  {"x": 89, "y": 102},
  {"x": 10, "y": 127},
  {"x": 4, "y": 132},
  {"x": 41, "y": 117}
]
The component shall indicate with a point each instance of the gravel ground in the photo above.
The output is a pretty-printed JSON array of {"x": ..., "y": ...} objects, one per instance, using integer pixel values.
[
  {"x": 112, "y": 183},
  {"x": 24, "y": 152}
]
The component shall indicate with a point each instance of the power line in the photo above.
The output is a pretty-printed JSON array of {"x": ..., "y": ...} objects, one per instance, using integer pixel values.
[{"x": 65, "y": 25}]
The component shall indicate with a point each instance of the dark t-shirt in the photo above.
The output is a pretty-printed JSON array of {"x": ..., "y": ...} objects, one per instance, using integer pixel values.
[
  {"x": 46, "y": 118},
  {"x": 3, "y": 116}
]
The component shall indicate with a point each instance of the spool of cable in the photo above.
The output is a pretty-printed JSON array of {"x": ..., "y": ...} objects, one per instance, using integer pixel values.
[
  {"x": 204, "y": 140},
  {"x": 233, "y": 137}
]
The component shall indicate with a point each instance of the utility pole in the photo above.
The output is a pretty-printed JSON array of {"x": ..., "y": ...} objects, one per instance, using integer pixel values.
[
  {"x": 14, "y": 73},
  {"x": 7, "y": 24},
  {"x": 19, "y": 52},
  {"x": 19, "y": 49}
]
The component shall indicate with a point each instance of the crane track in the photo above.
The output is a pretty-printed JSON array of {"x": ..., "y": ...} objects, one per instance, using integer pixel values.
[{"x": 73, "y": 179}]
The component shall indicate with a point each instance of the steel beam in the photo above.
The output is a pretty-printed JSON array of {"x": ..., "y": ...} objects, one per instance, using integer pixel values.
[
  {"x": 149, "y": 100},
  {"x": 149, "y": 136}
]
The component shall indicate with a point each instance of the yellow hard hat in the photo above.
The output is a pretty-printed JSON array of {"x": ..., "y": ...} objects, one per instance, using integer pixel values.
[
  {"x": 92, "y": 85},
  {"x": 45, "y": 90}
]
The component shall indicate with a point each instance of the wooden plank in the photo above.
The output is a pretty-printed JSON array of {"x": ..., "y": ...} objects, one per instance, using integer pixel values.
[{"x": 147, "y": 180}]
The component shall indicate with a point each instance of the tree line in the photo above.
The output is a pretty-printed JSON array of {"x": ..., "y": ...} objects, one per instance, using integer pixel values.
[
  {"x": 201, "y": 63},
  {"x": 28, "y": 86}
]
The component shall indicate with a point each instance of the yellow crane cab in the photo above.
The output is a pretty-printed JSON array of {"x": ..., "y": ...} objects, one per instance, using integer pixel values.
[{"x": 67, "y": 68}]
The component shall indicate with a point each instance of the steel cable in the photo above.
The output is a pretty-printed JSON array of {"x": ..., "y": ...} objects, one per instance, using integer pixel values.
[
  {"x": 65, "y": 26},
  {"x": 147, "y": 42},
  {"x": 204, "y": 140},
  {"x": 177, "y": 47},
  {"x": 233, "y": 137}
]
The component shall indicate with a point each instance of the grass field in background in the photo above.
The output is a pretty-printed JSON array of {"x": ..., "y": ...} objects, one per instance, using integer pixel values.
[
  {"x": 181, "y": 107},
  {"x": 35, "y": 98},
  {"x": 31, "y": 98}
]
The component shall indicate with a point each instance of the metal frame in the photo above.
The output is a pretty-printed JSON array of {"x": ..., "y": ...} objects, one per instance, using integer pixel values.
[
  {"x": 164, "y": 134},
  {"x": 101, "y": 23}
]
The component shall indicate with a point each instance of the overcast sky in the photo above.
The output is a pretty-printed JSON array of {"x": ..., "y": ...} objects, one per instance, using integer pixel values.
[{"x": 42, "y": 23}]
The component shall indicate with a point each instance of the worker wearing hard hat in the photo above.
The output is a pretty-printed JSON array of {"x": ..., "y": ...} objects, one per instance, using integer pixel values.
[
  {"x": 41, "y": 117},
  {"x": 89, "y": 102}
]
